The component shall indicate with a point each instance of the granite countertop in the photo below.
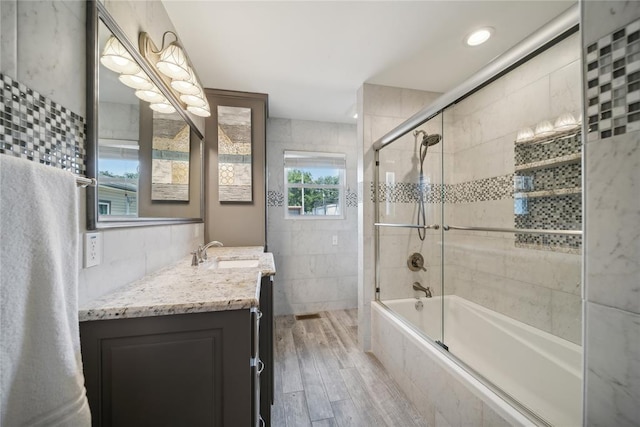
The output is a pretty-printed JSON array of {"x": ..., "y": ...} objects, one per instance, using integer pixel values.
[{"x": 182, "y": 288}]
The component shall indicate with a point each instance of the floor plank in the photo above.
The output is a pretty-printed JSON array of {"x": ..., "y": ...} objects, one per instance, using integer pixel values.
[
  {"x": 317, "y": 400},
  {"x": 322, "y": 379},
  {"x": 291, "y": 378},
  {"x": 295, "y": 410}
]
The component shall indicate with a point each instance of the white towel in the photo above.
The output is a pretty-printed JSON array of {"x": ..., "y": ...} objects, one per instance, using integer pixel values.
[{"x": 41, "y": 380}]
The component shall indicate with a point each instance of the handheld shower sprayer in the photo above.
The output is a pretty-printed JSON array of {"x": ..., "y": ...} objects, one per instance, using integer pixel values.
[{"x": 426, "y": 142}]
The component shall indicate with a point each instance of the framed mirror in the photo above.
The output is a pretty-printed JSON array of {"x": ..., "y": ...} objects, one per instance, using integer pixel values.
[{"x": 143, "y": 149}]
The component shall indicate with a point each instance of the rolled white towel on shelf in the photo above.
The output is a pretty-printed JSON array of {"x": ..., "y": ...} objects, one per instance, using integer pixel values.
[{"x": 41, "y": 380}]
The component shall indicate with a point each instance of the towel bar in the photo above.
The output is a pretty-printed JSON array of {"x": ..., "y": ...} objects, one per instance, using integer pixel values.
[{"x": 81, "y": 181}]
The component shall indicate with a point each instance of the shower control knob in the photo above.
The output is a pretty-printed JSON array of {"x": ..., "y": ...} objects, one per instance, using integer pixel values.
[{"x": 415, "y": 262}]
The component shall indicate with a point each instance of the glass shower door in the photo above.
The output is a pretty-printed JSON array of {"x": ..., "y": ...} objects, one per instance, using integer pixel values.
[{"x": 409, "y": 237}]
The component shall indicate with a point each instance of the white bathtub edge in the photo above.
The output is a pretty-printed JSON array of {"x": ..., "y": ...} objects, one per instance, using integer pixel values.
[{"x": 482, "y": 392}]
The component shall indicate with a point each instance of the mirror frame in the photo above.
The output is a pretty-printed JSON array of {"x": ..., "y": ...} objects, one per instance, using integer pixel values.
[{"x": 97, "y": 12}]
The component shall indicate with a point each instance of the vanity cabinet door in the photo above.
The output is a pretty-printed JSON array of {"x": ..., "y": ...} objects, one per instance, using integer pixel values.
[
  {"x": 266, "y": 348},
  {"x": 179, "y": 370}
]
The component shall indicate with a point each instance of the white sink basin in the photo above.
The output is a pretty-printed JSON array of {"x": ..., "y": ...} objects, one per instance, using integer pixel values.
[{"x": 236, "y": 263}]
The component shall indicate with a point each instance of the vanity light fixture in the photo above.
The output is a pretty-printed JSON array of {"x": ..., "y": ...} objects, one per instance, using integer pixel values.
[
  {"x": 152, "y": 95},
  {"x": 173, "y": 62},
  {"x": 163, "y": 107},
  {"x": 193, "y": 100},
  {"x": 174, "y": 66},
  {"x": 544, "y": 128},
  {"x": 116, "y": 58},
  {"x": 199, "y": 111},
  {"x": 136, "y": 81},
  {"x": 479, "y": 36},
  {"x": 565, "y": 122},
  {"x": 188, "y": 86}
]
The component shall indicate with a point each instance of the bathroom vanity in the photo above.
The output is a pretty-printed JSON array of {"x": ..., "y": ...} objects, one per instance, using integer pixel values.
[{"x": 188, "y": 345}]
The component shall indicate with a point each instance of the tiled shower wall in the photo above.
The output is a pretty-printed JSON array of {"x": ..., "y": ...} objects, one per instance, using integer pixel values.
[
  {"x": 612, "y": 252},
  {"x": 382, "y": 108},
  {"x": 49, "y": 117},
  {"x": 540, "y": 288}
]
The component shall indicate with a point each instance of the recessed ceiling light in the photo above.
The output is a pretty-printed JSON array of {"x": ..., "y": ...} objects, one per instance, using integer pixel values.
[{"x": 479, "y": 36}]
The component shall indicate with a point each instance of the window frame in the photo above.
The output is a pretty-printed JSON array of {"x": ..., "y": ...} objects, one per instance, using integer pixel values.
[{"x": 341, "y": 186}]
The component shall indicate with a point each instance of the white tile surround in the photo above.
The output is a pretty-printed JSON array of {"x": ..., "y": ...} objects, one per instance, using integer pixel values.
[
  {"x": 612, "y": 269},
  {"x": 313, "y": 274},
  {"x": 380, "y": 109},
  {"x": 540, "y": 288}
]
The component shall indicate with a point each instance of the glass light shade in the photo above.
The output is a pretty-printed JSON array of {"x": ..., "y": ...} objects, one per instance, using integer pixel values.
[
  {"x": 193, "y": 100},
  {"x": 544, "y": 128},
  {"x": 187, "y": 87},
  {"x": 525, "y": 134},
  {"x": 173, "y": 63},
  {"x": 153, "y": 96},
  {"x": 163, "y": 107},
  {"x": 136, "y": 81},
  {"x": 199, "y": 111},
  {"x": 116, "y": 58},
  {"x": 565, "y": 122}
]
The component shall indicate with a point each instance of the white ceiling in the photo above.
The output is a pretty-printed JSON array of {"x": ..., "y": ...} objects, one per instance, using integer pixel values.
[{"x": 312, "y": 56}]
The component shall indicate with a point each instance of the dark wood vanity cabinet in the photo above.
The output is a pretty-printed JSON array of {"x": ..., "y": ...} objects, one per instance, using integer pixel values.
[
  {"x": 190, "y": 370},
  {"x": 178, "y": 370}
]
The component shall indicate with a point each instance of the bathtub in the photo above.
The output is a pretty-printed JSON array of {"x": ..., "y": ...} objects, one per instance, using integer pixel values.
[{"x": 536, "y": 369}]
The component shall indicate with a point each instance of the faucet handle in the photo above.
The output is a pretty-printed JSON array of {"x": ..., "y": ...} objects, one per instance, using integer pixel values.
[{"x": 195, "y": 260}]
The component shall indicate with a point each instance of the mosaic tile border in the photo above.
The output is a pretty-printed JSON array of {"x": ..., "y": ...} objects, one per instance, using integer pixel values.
[
  {"x": 35, "y": 128},
  {"x": 487, "y": 189},
  {"x": 613, "y": 83},
  {"x": 275, "y": 199}
]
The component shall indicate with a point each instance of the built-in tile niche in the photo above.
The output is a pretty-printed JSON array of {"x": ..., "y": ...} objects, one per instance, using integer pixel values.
[
  {"x": 548, "y": 191},
  {"x": 35, "y": 128}
]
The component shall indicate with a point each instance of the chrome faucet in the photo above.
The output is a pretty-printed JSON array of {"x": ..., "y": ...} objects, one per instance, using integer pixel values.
[
  {"x": 418, "y": 287},
  {"x": 202, "y": 250}
]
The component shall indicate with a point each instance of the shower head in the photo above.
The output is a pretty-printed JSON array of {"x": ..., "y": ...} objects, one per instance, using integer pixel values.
[{"x": 429, "y": 140}]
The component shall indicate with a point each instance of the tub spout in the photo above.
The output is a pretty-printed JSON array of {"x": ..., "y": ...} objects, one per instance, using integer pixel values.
[{"x": 418, "y": 287}]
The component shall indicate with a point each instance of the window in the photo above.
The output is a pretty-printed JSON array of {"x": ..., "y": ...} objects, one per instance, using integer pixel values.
[
  {"x": 314, "y": 184},
  {"x": 104, "y": 207}
]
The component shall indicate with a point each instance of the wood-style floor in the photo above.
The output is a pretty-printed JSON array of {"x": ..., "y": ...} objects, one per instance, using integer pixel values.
[{"x": 323, "y": 379}]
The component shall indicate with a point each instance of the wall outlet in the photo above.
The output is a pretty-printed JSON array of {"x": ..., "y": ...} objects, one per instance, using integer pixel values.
[
  {"x": 92, "y": 249},
  {"x": 334, "y": 240}
]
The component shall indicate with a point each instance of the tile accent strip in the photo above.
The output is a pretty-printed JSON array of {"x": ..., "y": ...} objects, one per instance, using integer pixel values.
[
  {"x": 613, "y": 83},
  {"x": 276, "y": 199},
  {"x": 486, "y": 189},
  {"x": 35, "y": 128}
]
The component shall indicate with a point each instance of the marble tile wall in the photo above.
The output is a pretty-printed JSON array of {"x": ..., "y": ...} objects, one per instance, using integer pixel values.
[
  {"x": 484, "y": 267},
  {"x": 313, "y": 273},
  {"x": 380, "y": 109},
  {"x": 477, "y": 154},
  {"x": 612, "y": 273},
  {"x": 31, "y": 33}
]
